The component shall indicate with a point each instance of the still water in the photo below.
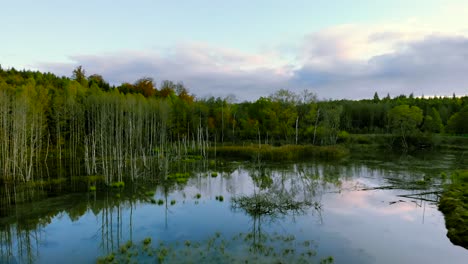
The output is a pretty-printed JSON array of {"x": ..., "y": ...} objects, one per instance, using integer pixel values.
[{"x": 366, "y": 209}]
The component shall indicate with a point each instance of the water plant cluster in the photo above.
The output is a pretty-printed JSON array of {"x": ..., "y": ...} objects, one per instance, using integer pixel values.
[
  {"x": 240, "y": 248},
  {"x": 179, "y": 177}
]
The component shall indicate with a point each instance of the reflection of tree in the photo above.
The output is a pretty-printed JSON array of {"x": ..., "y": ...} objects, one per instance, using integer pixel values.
[{"x": 275, "y": 196}]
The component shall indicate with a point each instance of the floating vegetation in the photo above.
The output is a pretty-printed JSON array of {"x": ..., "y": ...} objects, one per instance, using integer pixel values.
[
  {"x": 147, "y": 241},
  {"x": 119, "y": 184},
  {"x": 153, "y": 201},
  {"x": 92, "y": 188},
  {"x": 198, "y": 196},
  {"x": 219, "y": 198},
  {"x": 149, "y": 193},
  {"x": 173, "y": 202},
  {"x": 240, "y": 248},
  {"x": 266, "y": 204},
  {"x": 179, "y": 177},
  {"x": 214, "y": 174},
  {"x": 454, "y": 204},
  {"x": 160, "y": 202}
]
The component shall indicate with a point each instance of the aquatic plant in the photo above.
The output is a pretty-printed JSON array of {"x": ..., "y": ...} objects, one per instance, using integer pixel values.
[
  {"x": 198, "y": 196},
  {"x": 214, "y": 174},
  {"x": 92, "y": 188},
  {"x": 160, "y": 202},
  {"x": 149, "y": 193},
  {"x": 119, "y": 184},
  {"x": 240, "y": 248},
  {"x": 147, "y": 241},
  {"x": 173, "y": 202}
]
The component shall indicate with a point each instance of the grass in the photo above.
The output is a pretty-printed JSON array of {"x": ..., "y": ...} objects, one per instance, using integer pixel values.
[
  {"x": 282, "y": 153},
  {"x": 454, "y": 204}
]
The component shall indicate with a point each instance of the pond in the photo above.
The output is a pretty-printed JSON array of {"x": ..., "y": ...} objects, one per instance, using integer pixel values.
[{"x": 370, "y": 208}]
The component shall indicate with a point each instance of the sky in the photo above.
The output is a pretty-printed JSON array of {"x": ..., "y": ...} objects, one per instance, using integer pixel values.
[{"x": 336, "y": 49}]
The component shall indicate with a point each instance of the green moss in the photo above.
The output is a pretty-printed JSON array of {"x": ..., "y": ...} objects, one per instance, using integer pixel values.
[{"x": 454, "y": 205}]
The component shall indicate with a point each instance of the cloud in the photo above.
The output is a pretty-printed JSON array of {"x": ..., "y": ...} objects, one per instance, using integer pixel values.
[
  {"x": 435, "y": 65},
  {"x": 347, "y": 61}
]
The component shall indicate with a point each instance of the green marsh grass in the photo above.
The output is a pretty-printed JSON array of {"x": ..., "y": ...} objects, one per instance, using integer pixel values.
[{"x": 282, "y": 153}]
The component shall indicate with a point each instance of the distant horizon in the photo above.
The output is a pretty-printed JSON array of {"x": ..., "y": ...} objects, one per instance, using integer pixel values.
[{"x": 337, "y": 49}]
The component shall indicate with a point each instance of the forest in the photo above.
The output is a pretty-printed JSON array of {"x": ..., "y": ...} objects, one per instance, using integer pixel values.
[{"x": 115, "y": 131}]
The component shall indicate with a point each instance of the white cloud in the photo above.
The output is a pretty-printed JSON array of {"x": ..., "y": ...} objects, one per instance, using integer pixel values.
[{"x": 347, "y": 61}]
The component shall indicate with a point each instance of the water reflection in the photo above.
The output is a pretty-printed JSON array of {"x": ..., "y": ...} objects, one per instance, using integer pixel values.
[{"x": 271, "y": 208}]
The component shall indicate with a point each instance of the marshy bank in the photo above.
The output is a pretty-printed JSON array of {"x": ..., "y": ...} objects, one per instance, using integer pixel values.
[
  {"x": 454, "y": 205},
  {"x": 280, "y": 153}
]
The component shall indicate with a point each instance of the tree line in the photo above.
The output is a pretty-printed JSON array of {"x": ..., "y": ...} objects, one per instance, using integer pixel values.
[{"x": 116, "y": 130}]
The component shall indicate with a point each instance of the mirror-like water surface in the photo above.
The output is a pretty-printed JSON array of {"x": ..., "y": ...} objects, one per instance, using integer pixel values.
[{"x": 362, "y": 210}]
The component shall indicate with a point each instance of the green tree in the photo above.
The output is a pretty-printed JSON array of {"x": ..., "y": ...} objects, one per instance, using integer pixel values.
[
  {"x": 433, "y": 122},
  {"x": 79, "y": 75},
  {"x": 458, "y": 122},
  {"x": 404, "y": 121}
]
